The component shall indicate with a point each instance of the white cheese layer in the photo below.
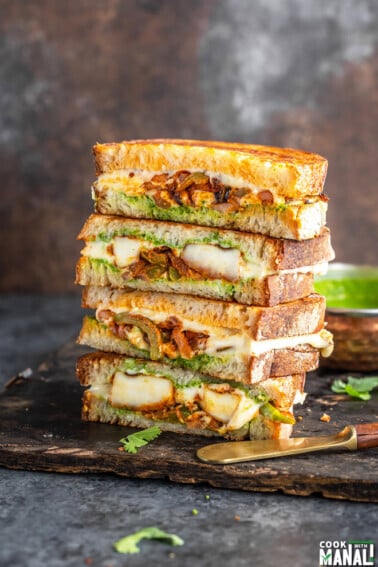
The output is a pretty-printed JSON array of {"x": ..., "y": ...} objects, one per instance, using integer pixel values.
[{"x": 222, "y": 339}]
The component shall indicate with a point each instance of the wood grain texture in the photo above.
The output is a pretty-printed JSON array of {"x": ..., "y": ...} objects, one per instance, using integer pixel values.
[
  {"x": 41, "y": 430},
  {"x": 367, "y": 435}
]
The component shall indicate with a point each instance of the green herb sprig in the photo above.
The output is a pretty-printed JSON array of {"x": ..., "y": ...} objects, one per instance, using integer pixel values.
[
  {"x": 356, "y": 387},
  {"x": 129, "y": 544},
  {"x": 134, "y": 441}
]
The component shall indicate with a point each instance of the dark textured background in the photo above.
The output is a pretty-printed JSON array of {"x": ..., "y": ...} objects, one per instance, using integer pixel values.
[{"x": 284, "y": 72}]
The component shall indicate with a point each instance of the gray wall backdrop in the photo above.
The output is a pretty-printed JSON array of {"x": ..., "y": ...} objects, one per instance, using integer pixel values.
[{"x": 300, "y": 73}]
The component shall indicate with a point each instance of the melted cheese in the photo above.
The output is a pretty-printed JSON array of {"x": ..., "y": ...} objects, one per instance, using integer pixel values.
[
  {"x": 223, "y": 339},
  {"x": 209, "y": 259},
  {"x": 318, "y": 269}
]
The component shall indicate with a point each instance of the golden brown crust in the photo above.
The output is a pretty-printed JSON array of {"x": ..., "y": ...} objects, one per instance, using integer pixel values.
[
  {"x": 299, "y": 317},
  {"x": 279, "y": 362},
  {"x": 292, "y": 173}
]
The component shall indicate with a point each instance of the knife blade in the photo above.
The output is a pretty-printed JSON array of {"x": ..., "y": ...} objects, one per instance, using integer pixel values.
[{"x": 350, "y": 438}]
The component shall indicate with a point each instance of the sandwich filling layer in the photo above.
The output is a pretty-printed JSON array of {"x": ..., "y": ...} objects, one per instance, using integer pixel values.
[
  {"x": 298, "y": 220},
  {"x": 196, "y": 402},
  {"x": 148, "y": 259},
  {"x": 225, "y": 193},
  {"x": 163, "y": 335}
]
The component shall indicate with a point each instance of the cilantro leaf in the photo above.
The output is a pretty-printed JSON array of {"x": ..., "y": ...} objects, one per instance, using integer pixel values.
[
  {"x": 134, "y": 441},
  {"x": 355, "y": 393},
  {"x": 129, "y": 544},
  {"x": 356, "y": 387},
  {"x": 338, "y": 386},
  {"x": 366, "y": 384}
]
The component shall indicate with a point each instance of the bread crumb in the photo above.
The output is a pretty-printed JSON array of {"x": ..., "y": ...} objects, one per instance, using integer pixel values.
[
  {"x": 299, "y": 418},
  {"x": 237, "y": 518},
  {"x": 325, "y": 417}
]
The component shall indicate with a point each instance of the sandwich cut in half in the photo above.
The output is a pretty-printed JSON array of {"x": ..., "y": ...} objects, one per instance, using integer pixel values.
[
  {"x": 249, "y": 268},
  {"x": 272, "y": 191},
  {"x": 222, "y": 339},
  {"x": 140, "y": 393}
]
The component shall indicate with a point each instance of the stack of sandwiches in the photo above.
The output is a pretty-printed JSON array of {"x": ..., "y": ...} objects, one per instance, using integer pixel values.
[{"x": 198, "y": 265}]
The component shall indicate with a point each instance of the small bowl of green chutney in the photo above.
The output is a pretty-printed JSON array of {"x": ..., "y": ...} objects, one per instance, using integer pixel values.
[{"x": 351, "y": 292}]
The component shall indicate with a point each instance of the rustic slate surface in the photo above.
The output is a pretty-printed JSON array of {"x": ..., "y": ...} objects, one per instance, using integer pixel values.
[{"x": 40, "y": 429}]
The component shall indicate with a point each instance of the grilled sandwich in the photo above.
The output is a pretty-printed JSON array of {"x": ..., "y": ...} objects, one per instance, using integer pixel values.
[
  {"x": 222, "y": 339},
  {"x": 140, "y": 393},
  {"x": 272, "y": 191},
  {"x": 223, "y": 264}
]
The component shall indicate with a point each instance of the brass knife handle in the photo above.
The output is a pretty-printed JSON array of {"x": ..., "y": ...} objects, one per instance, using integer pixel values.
[{"x": 367, "y": 435}]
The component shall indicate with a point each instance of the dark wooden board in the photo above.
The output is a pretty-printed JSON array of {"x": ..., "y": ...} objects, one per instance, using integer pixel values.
[{"x": 40, "y": 429}]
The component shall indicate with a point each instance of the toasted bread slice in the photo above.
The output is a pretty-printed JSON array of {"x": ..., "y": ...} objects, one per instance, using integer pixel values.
[
  {"x": 135, "y": 392},
  {"x": 224, "y": 264},
  {"x": 301, "y": 317},
  {"x": 285, "y": 171}
]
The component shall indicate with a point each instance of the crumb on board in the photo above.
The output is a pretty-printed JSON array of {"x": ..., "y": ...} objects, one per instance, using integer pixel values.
[
  {"x": 299, "y": 418},
  {"x": 237, "y": 518},
  {"x": 325, "y": 417}
]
